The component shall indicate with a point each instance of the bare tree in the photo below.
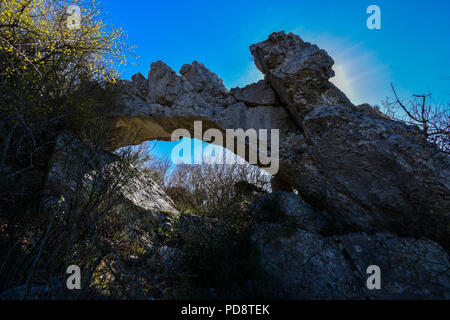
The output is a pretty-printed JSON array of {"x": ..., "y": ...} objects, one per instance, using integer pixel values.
[
  {"x": 431, "y": 117},
  {"x": 213, "y": 188}
]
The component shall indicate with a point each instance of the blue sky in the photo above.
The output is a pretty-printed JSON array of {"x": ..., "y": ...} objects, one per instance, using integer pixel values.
[{"x": 412, "y": 49}]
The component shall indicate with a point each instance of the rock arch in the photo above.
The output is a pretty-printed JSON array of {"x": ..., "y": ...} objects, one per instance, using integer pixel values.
[{"x": 368, "y": 171}]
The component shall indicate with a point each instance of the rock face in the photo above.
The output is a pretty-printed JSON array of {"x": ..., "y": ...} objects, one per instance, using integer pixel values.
[
  {"x": 256, "y": 94},
  {"x": 77, "y": 172},
  {"x": 287, "y": 207},
  {"x": 376, "y": 174},
  {"x": 196, "y": 87},
  {"x": 368, "y": 172},
  {"x": 298, "y": 72},
  {"x": 300, "y": 263}
]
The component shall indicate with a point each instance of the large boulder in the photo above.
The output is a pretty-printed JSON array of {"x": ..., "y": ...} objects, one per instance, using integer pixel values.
[
  {"x": 298, "y": 71},
  {"x": 85, "y": 175},
  {"x": 375, "y": 174},
  {"x": 372, "y": 173}
]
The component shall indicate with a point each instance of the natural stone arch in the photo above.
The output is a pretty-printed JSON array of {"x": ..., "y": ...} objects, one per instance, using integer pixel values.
[
  {"x": 366, "y": 170},
  {"x": 135, "y": 130}
]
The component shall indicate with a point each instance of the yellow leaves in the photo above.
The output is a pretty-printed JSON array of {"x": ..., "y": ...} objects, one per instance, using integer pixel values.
[
  {"x": 7, "y": 48},
  {"x": 42, "y": 38}
]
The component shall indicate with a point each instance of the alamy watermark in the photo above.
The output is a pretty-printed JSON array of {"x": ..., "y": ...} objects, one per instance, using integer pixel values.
[
  {"x": 374, "y": 20},
  {"x": 237, "y": 141},
  {"x": 374, "y": 281},
  {"x": 74, "y": 18},
  {"x": 74, "y": 280}
]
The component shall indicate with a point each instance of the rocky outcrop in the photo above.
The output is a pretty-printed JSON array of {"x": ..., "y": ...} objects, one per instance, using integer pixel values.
[
  {"x": 196, "y": 87},
  {"x": 372, "y": 191},
  {"x": 368, "y": 172},
  {"x": 206, "y": 84},
  {"x": 298, "y": 72},
  {"x": 83, "y": 175},
  {"x": 374, "y": 173},
  {"x": 300, "y": 263}
]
